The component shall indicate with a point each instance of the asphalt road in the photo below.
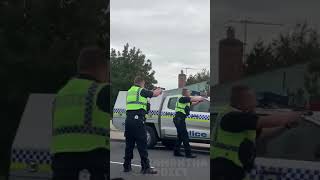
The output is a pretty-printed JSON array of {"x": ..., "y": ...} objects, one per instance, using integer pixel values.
[{"x": 168, "y": 166}]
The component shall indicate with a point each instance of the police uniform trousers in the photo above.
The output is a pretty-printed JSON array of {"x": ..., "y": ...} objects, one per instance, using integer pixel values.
[
  {"x": 223, "y": 169},
  {"x": 135, "y": 133},
  {"x": 66, "y": 166},
  {"x": 182, "y": 133}
]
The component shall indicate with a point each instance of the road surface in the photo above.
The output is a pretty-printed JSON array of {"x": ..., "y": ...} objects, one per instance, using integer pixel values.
[{"x": 168, "y": 166}]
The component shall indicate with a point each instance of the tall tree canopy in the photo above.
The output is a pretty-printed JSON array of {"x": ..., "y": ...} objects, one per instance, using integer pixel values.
[
  {"x": 204, "y": 75},
  {"x": 298, "y": 45},
  {"x": 127, "y": 64}
]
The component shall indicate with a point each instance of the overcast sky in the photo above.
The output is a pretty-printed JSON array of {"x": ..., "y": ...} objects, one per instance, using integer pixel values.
[
  {"x": 173, "y": 34},
  {"x": 287, "y": 12}
]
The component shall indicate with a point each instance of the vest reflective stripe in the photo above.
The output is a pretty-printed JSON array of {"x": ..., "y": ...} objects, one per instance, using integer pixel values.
[
  {"x": 226, "y": 144},
  {"x": 134, "y": 100},
  {"x": 78, "y": 123},
  {"x": 180, "y": 107}
]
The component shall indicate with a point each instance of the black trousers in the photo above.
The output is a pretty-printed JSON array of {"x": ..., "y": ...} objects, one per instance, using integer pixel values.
[
  {"x": 183, "y": 136},
  {"x": 223, "y": 169},
  {"x": 66, "y": 166},
  {"x": 135, "y": 133}
]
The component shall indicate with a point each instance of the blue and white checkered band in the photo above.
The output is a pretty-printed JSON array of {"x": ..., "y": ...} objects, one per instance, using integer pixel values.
[
  {"x": 81, "y": 130},
  {"x": 283, "y": 173},
  {"x": 163, "y": 113},
  {"x": 28, "y": 155},
  {"x": 89, "y": 104}
]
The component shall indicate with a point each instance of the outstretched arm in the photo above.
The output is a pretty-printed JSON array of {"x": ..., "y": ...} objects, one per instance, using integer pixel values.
[
  {"x": 278, "y": 120},
  {"x": 149, "y": 94},
  {"x": 196, "y": 98},
  {"x": 195, "y": 103},
  {"x": 157, "y": 92}
]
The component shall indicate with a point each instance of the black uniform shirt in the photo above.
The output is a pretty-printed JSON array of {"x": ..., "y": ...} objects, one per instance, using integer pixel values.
[
  {"x": 187, "y": 109},
  {"x": 237, "y": 121}
]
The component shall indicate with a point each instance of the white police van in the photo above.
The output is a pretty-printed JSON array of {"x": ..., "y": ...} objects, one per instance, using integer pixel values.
[{"x": 159, "y": 122}]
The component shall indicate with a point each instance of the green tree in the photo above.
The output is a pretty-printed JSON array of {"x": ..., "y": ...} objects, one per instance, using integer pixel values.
[
  {"x": 204, "y": 75},
  {"x": 260, "y": 59},
  {"x": 299, "y": 45},
  {"x": 312, "y": 79},
  {"x": 127, "y": 64}
]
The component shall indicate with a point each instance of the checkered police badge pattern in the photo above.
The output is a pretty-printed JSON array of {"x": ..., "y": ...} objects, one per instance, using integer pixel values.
[
  {"x": 89, "y": 104},
  {"x": 280, "y": 173},
  {"x": 24, "y": 155}
]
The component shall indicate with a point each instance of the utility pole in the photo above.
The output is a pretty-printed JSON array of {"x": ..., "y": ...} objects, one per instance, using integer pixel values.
[{"x": 245, "y": 23}]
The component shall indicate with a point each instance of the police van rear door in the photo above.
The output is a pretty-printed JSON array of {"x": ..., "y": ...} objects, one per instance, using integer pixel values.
[
  {"x": 295, "y": 154},
  {"x": 30, "y": 156},
  {"x": 119, "y": 111}
]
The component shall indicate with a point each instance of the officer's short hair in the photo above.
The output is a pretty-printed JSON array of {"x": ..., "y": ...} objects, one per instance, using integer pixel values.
[
  {"x": 91, "y": 58},
  {"x": 184, "y": 91},
  {"x": 138, "y": 79},
  {"x": 237, "y": 94}
]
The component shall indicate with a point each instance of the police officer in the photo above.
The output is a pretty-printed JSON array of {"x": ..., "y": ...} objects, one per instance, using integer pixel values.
[
  {"x": 235, "y": 131},
  {"x": 135, "y": 130},
  {"x": 182, "y": 111},
  {"x": 81, "y": 118}
]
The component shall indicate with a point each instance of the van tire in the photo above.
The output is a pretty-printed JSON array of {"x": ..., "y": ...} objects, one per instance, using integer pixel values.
[
  {"x": 151, "y": 137},
  {"x": 169, "y": 144}
]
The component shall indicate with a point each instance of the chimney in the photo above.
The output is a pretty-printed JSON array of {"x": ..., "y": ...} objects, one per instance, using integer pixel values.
[
  {"x": 182, "y": 79},
  {"x": 230, "y": 58}
]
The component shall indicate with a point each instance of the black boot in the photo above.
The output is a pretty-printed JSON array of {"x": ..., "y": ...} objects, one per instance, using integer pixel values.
[
  {"x": 177, "y": 153},
  {"x": 127, "y": 166},
  {"x": 148, "y": 171}
]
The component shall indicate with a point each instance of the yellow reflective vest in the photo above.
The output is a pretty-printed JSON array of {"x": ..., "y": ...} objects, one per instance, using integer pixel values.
[
  {"x": 226, "y": 144},
  {"x": 78, "y": 124}
]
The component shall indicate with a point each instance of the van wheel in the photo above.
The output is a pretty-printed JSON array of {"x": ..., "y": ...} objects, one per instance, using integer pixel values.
[
  {"x": 151, "y": 137},
  {"x": 169, "y": 144}
]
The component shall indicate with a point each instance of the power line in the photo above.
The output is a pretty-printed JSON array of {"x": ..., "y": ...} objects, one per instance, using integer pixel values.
[{"x": 245, "y": 22}]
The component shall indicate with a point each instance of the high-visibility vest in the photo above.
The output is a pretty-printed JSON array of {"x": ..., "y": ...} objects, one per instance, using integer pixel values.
[
  {"x": 226, "y": 144},
  {"x": 181, "y": 107},
  {"x": 134, "y": 99},
  {"x": 78, "y": 124}
]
